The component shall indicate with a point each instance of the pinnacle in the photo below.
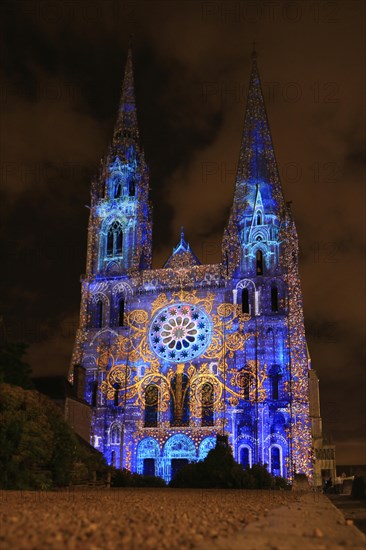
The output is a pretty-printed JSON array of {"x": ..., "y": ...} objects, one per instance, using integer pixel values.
[{"x": 126, "y": 128}]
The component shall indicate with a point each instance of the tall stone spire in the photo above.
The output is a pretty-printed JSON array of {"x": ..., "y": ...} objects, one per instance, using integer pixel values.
[
  {"x": 257, "y": 176},
  {"x": 126, "y": 128},
  {"x": 120, "y": 230},
  {"x": 257, "y": 162}
]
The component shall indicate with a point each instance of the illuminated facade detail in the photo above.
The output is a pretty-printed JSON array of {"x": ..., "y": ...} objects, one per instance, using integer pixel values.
[
  {"x": 176, "y": 355},
  {"x": 180, "y": 333}
]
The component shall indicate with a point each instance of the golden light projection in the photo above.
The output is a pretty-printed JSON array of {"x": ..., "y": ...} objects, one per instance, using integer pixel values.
[
  {"x": 173, "y": 356},
  {"x": 122, "y": 361}
]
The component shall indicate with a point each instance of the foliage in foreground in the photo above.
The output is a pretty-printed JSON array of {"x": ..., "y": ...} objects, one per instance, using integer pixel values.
[
  {"x": 124, "y": 478},
  {"x": 220, "y": 470},
  {"x": 38, "y": 449},
  {"x": 13, "y": 369}
]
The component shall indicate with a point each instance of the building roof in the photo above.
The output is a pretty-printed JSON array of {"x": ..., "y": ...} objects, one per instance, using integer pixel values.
[
  {"x": 182, "y": 255},
  {"x": 57, "y": 388}
]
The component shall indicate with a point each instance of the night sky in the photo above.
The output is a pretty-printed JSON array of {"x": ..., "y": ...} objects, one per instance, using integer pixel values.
[{"x": 61, "y": 72}]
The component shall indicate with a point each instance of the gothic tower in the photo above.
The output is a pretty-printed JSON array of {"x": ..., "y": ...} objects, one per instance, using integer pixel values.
[
  {"x": 261, "y": 256},
  {"x": 177, "y": 355},
  {"x": 119, "y": 238}
]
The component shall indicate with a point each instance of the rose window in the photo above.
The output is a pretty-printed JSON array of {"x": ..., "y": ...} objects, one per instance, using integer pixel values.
[{"x": 180, "y": 332}]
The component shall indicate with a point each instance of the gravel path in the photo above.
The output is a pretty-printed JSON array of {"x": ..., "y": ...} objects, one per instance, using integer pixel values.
[{"x": 130, "y": 519}]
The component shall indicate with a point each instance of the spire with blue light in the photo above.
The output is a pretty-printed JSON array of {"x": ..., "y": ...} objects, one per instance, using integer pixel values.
[{"x": 120, "y": 223}]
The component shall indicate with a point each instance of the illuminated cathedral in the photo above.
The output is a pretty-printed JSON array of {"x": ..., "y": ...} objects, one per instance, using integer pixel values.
[{"x": 174, "y": 356}]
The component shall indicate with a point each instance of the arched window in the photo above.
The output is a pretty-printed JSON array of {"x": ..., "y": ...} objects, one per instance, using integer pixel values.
[
  {"x": 259, "y": 219},
  {"x": 113, "y": 458},
  {"x": 246, "y": 385},
  {"x": 274, "y": 298},
  {"x": 275, "y": 461},
  {"x": 244, "y": 457},
  {"x": 114, "y": 240},
  {"x": 244, "y": 381},
  {"x": 121, "y": 312},
  {"x": 207, "y": 397},
  {"x": 179, "y": 400},
  {"x": 245, "y": 300},
  {"x": 131, "y": 188},
  {"x": 151, "y": 406},
  {"x": 110, "y": 242},
  {"x": 98, "y": 314},
  {"x": 118, "y": 242},
  {"x": 117, "y": 190},
  {"x": 259, "y": 262},
  {"x": 115, "y": 435}
]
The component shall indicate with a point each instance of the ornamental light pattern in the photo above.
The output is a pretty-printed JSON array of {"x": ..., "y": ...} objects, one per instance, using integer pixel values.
[{"x": 176, "y": 355}]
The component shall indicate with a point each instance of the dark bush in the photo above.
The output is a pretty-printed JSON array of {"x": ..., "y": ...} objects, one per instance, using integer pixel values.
[
  {"x": 281, "y": 483},
  {"x": 262, "y": 477},
  {"x": 220, "y": 470},
  {"x": 38, "y": 449},
  {"x": 124, "y": 478}
]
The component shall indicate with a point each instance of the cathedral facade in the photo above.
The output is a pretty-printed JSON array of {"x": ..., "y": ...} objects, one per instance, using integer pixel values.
[{"x": 177, "y": 355}]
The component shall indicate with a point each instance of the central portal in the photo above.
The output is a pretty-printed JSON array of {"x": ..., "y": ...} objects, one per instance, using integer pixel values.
[{"x": 177, "y": 464}]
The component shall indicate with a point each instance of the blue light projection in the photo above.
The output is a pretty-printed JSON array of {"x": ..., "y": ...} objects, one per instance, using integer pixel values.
[
  {"x": 180, "y": 332},
  {"x": 203, "y": 349}
]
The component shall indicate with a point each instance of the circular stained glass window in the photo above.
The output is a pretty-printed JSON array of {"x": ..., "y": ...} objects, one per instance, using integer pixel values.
[{"x": 180, "y": 332}]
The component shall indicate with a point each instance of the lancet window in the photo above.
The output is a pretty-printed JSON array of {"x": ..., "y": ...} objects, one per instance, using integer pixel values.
[
  {"x": 98, "y": 314},
  {"x": 245, "y": 300},
  {"x": 179, "y": 400},
  {"x": 115, "y": 435},
  {"x": 151, "y": 406},
  {"x": 114, "y": 240},
  {"x": 207, "y": 399}
]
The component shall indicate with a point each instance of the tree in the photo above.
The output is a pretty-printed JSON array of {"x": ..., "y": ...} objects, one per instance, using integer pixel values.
[
  {"x": 13, "y": 370},
  {"x": 220, "y": 470},
  {"x": 38, "y": 449}
]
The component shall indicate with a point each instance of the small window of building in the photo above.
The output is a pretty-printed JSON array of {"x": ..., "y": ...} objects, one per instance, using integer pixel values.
[
  {"x": 98, "y": 314},
  {"x": 117, "y": 190},
  {"x": 131, "y": 188},
  {"x": 151, "y": 406},
  {"x": 207, "y": 397},
  {"x": 259, "y": 262},
  {"x": 245, "y": 300},
  {"x": 121, "y": 312}
]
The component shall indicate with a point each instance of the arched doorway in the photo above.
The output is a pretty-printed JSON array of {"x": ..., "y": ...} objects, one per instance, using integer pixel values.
[
  {"x": 178, "y": 451},
  {"x": 205, "y": 447},
  {"x": 148, "y": 452}
]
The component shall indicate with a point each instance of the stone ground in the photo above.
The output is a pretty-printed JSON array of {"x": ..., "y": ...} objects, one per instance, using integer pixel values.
[{"x": 134, "y": 519}]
